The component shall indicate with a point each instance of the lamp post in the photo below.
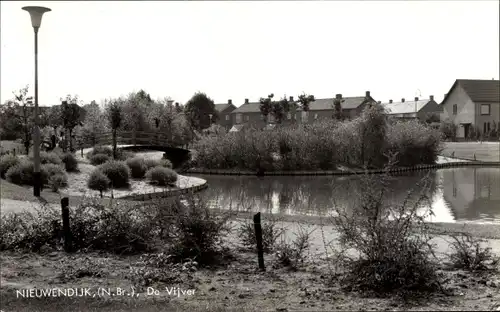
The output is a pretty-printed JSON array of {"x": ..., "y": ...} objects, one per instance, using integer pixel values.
[{"x": 36, "y": 14}]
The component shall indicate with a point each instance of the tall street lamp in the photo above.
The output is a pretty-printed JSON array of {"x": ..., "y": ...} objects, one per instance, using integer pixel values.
[{"x": 36, "y": 14}]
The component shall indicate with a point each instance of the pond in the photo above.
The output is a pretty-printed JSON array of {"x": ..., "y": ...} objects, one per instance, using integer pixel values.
[{"x": 468, "y": 194}]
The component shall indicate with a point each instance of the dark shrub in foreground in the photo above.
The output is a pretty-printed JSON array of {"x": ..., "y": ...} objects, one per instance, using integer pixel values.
[
  {"x": 270, "y": 233},
  {"x": 6, "y": 162},
  {"x": 117, "y": 172},
  {"x": 198, "y": 232},
  {"x": 470, "y": 254},
  {"x": 137, "y": 167},
  {"x": 98, "y": 181},
  {"x": 392, "y": 243},
  {"x": 99, "y": 159},
  {"x": 70, "y": 162},
  {"x": 161, "y": 176}
]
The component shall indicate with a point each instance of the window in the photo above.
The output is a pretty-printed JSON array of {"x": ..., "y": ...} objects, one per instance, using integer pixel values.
[
  {"x": 247, "y": 118},
  {"x": 455, "y": 109},
  {"x": 488, "y": 128},
  {"x": 305, "y": 116},
  {"x": 484, "y": 128},
  {"x": 227, "y": 117},
  {"x": 485, "y": 109},
  {"x": 289, "y": 116},
  {"x": 238, "y": 118},
  {"x": 315, "y": 116},
  {"x": 270, "y": 118}
]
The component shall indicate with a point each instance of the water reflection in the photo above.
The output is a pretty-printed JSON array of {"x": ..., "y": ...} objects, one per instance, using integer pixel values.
[{"x": 468, "y": 194}]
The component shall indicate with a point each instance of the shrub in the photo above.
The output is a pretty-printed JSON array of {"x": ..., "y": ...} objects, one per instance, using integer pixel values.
[
  {"x": 292, "y": 254},
  {"x": 99, "y": 159},
  {"x": 150, "y": 163},
  {"x": 468, "y": 253},
  {"x": 123, "y": 154},
  {"x": 198, "y": 232},
  {"x": 54, "y": 172},
  {"x": 57, "y": 181},
  {"x": 117, "y": 172},
  {"x": 98, "y": 181},
  {"x": 70, "y": 162},
  {"x": 106, "y": 150},
  {"x": 389, "y": 245},
  {"x": 22, "y": 173},
  {"x": 6, "y": 162},
  {"x": 49, "y": 158},
  {"x": 161, "y": 176},
  {"x": 137, "y": 167},
  {"x": 270, "y": 233}
]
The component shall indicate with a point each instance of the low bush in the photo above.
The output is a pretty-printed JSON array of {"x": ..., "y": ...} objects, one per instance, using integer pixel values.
[
  {"x": 124, "y": 154},
  {"x": 161, "y": 176},
  {"x": 57, "y": 181},
  {"x": 150, "y": 163},
  {"x": 70, "y": 162},
  {"x": 106, "y": 150},
  {"x": 99, "y": 159},
  {"x": 117, "y": 172},
  {"x": 55, "y": 173},
  {"x": 469, "y": 254},
  {"x": 137, "y": 167},
  {"x": 6, "y": 162},
  {"x": 98, "y": 181},
  {"x": 270, "y": 233},
  {"x": 197, "y": 232},
  {"x": 49, "y": 158},
  {"x": 22, "y": 173},
  {"x": 388, "y": 246},
  {"x": 293, "y": 254}
]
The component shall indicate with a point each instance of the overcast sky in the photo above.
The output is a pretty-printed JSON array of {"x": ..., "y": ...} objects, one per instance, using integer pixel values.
[{"x": 237, "y": 50}]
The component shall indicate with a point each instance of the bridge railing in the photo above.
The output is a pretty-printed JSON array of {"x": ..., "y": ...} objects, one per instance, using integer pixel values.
[{"x": 133, "y": 138}]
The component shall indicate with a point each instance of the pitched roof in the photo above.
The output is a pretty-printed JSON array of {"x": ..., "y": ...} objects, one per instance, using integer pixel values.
[
  {"x": 406, "y": 107},
  {"x": 236, "y": 128},
  {"x": 221, "y": 107},
  {"x": 479, "y": 90},
  {"x": 318, "y": 104},
  {"x": 253, "y": 107}
]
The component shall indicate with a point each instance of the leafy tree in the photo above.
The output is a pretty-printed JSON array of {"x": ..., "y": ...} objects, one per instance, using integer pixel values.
[
  {"x": 266, "y": 105},
  {"x": 198, "y": 110},
  {"x": 337, "y": 108},
  {"x": 94, "y": 124},
  {"x": 17, "y": 116},
  {"x": 114, "y": 114},
  {"x": 71, "y": 116},
  {"x": 135, "y": 111},
  {"x": 305, "y": 100},
  {"x": 54, "y": 117}
]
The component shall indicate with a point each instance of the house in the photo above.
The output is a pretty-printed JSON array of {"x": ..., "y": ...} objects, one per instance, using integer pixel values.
[
  {"x": 249, "y": 112},
  {"x": 421, "y": 109},
  {"x": 472, "y": 104},
  {"x": 224, "y": 111}
]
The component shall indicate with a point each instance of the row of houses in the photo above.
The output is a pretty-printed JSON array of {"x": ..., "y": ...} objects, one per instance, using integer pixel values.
[{"x": 469, "y": 103}]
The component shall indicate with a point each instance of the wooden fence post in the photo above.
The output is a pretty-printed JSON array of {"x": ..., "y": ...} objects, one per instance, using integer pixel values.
[
  {"x": 258, "y": 237},
  {"x": 66, "y": 227}
]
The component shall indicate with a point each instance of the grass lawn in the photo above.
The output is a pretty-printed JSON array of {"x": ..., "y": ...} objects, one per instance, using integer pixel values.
[{"x": 486, "y": 151}]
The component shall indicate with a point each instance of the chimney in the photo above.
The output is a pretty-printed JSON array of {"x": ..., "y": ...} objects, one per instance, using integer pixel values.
[
  {"x": 402, "y": 100},
  {"x": 338, "y": 96},
  {"x": 390, "y": 101},
  {"x": 291, "y": 99},
  {"x": 431, "y": 97},
  {"x": 367, "y": 94},
  {"x": 246, "y": 101},
  {"x": 177, "y": 104},
  {"x": 229, "y": 101},
  {"x": 416, "y": 98}
]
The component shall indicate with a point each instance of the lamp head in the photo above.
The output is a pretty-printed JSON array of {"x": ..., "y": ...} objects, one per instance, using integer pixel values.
[{"x": 36, "y": 15}]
